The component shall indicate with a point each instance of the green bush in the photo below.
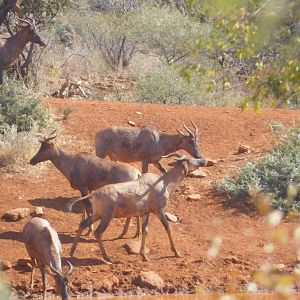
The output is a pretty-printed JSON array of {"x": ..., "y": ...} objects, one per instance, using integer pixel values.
[
  {"x": 278, "y": 174},
  {"x": 23, "y": 120},
  {"x": 167, "y": 86},
  {"x": 19, "y": 107}
]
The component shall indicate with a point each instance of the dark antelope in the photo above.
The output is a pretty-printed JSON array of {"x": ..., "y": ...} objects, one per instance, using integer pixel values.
[
  {"x": 85, "y": 171},
  {"x": 146, "y": 144},
  {"x": 11, "y": 47}
]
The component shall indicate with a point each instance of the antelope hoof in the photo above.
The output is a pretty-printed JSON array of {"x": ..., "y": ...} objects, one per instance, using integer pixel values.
[
  {"x": 136, "y": 235},
  {"x": 177, "y": 254},
  {"x": 121, "y": 236},
  {"x": 145, "y": 258},
  {"x": 107, "y": 261},
  {"x": 72, "y": 251}
]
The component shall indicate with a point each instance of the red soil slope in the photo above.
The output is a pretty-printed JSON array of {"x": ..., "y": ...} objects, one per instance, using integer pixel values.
[{"x": 243, "y": 232}]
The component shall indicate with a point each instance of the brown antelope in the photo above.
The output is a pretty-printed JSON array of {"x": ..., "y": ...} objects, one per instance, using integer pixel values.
[
  {"x": 85, "y": 171},
  {"x": 11, "y": 47},
  {"x": 44, "y": 248},
  {"x": 146, "y": 144},
  {"x": 148, "y": 194}
]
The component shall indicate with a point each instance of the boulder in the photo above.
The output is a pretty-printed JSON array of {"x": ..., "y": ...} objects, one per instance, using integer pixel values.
[
  {"x": 243, "y": 149},
  {"x": 133, "y": 247},
  {"x": 16, "y": 214},
  {"x": 109, "y": 282},
  {"x": 150, "y": 280},
  {"x": 39, "y": 212}
]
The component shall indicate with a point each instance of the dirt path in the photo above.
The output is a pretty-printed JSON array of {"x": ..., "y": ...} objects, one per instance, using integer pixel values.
[{"x": 243, "y": 234}]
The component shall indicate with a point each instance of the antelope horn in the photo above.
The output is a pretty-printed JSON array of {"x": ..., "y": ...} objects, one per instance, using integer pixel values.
[
  {"x": 180, "y": 132},
  {"x": 50, "y": 138},
  {"x": 171, "y": 155},
  {"x": 188, "y": 130},
  {"x": 25, "y": 21},
  {"x": 196, "y": 128},
  {"x": 54, "y": 270},
  {"x": 71, "y": 269}
]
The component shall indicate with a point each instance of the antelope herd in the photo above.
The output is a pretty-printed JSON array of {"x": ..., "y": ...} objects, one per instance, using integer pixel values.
[
  {"x": 112, "y": 189},
  {"x": 109, "y": 188}
]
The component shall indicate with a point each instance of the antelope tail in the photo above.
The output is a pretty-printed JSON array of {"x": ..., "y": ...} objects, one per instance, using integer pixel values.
[{"x": 71, "y": 203}]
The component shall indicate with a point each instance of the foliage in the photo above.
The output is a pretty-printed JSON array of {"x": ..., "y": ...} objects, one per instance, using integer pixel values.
[
  {"x": 19, "y": 107},
  {"x": 278, "y": 174},
  {"x": 259, "y": 40},
  {"x": 167, "y": 86},
  {"x": 5, "y": 292},
  {"x": 169, "y": 34}
]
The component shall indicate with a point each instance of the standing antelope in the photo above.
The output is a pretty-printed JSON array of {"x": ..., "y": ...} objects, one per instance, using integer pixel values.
[
  {"x": 44, "y": 248},
  {"x": 146, "y": 144},
  {"x": 148, "y": 194},
  {"x": 11, "y": 47},
  {"x": 86, "y": 172}
]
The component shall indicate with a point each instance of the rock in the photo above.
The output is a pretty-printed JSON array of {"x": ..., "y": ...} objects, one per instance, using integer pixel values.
[
  {"x": 109, "y": 282},
  {"x": 210, "y": 162},
  {"x": 150, "y": 280},
  {"x": 197, "y": 174},
  {"x": 25, "y": 264},
  {"x": 171, "y": 217},
  {"x": 5, "y": 265},
  {"x": 243, "y": 149},
  {"x": 16, "y": 214},
  {"x": 131, "y": 123},
  {"x": 133, "y": 247},
  {"x": 138, "y": 113},
  {"x": 194, "y": 197},
  {"x": 279, "y": 266},
  {"x": 39, "y": 212}
]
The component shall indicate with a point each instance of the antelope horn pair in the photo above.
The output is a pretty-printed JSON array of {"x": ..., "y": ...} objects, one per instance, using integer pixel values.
[
  {"x": 30, "y": 21},
  {"x": 49, "y": 138},
  {"x": 57, "y": 272},
  {"x": 195, "y": 133}
]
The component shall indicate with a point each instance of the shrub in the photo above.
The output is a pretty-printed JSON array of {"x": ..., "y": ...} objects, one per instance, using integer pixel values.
[
  {"x": 22, "y": 121},
  {"x": 278, "y": 174},
  {"x": 167, "y": 86},
  {"x": 19, "y": 107}
]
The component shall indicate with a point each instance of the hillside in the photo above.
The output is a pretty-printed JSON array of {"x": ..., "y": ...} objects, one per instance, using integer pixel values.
[{"x": 243, "y": 232}]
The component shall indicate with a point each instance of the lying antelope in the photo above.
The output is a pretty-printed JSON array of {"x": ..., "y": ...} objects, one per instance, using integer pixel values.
[
  {"x": 11, "y": 47},
  {"x": 86, "y": 172},
  {"x": 44, "y": 248},
  {"x": 146, "y": 144},
  {"x": 148, "y": 194}
]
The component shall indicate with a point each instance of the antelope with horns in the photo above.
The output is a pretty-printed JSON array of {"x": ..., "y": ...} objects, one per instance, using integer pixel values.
[
  {"x": 44, "y": 248},
  {"x": 86, "y": 172},
  {"x": 146, "y": 144},
  {"x": 11, "y": 47},
  {"x": 148, "y": 194}
]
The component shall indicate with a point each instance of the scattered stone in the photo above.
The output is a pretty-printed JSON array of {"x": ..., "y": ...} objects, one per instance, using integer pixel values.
[
  {"x": 131, "y": 123},
  {"x": 5, "y": 265},
  {"x": 243, "y": 149},
  {"x": 39, "y": 211},
  {"x": 150, "y": 280},
  {"x": 170, "y": 217},
  {"x": 133, "y": 247},
  {"x": 25, "y": 264},
  {"x": 233, "y": 260},
  {"x": 279, "y": 266},
  {"x": 138, "y": 113},
  {"x": 194, "y": 197},
  {"x": 109, "y": 282},
  {"x": 210, "y": 162},
  {"x": 197, "y": 174},
  {"x": 16, "y": 214}
]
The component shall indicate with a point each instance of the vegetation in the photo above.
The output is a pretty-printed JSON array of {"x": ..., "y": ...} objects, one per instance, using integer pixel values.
[
  {"x": 277, "y": 174},
  {"x": 22, "y": 120}
]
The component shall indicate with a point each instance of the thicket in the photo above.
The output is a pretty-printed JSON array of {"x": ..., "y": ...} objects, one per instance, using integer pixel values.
[{"x": 278, "y": 175}]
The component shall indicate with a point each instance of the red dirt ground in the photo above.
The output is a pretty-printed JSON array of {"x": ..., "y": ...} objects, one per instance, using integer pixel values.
[{"x": 243, "y": 232}]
